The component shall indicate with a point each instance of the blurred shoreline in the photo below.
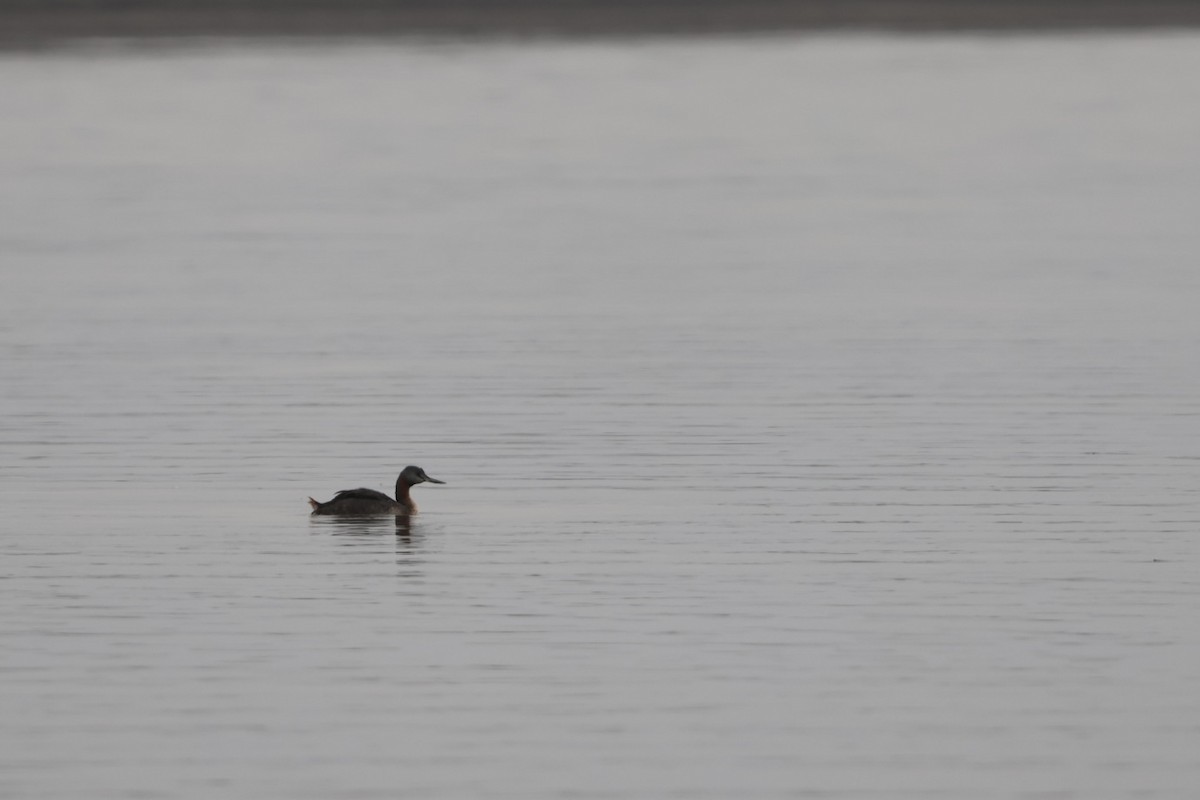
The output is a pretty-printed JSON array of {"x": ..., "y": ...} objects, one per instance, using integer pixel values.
[{"x": 32, "y": 23}]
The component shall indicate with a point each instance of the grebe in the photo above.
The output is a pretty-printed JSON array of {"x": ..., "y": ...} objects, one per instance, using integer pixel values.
[{"x": 366, "y": 502}]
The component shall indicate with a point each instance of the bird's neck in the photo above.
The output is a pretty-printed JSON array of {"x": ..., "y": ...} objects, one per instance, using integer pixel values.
[{"x": 403, "y": 497}]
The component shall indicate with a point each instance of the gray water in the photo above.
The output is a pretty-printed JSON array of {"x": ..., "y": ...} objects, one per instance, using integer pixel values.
[{"x": 819, "y": 418}]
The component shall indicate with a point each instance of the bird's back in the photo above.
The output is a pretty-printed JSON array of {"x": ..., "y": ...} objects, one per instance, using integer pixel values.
[{"x": 357, "y": 502}]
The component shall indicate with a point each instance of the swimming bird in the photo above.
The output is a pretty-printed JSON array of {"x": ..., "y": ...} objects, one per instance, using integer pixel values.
[{"x": 368, "y": 502}]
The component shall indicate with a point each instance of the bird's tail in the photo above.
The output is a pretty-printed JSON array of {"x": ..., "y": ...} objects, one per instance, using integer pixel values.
[{"x": 315, "y": 505}]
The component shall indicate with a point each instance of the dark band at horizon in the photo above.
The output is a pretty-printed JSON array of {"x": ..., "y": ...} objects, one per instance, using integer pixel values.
[{"x": 31, "y": 20}]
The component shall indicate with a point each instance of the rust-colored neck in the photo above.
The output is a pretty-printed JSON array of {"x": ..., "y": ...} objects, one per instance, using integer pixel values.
[{"x": 402, "y": 495}]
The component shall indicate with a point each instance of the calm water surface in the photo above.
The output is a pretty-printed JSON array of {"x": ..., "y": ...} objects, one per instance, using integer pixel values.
[{"x": 820, "y": 419}]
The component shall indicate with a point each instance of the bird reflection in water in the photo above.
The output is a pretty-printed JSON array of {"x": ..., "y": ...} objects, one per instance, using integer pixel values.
[
  {"x": 401, "y": 524},
  {"x": 366, "y": 532}
]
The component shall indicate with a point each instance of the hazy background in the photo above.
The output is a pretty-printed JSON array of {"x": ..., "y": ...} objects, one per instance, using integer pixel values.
[{"x": 818, "y": 415}]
